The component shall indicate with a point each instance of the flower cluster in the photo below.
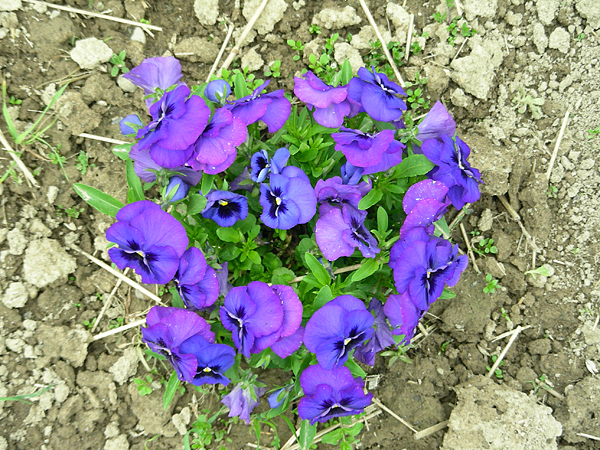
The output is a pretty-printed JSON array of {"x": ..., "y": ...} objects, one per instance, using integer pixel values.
[{"x": 314, "y": 185}]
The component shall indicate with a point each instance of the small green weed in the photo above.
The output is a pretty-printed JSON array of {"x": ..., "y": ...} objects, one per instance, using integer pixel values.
[
  {"x": 202, "y": 432},
  {"x": 491, "y": 285},
  {"x": 118, "y": 62},
  {"x": 314, "y": 29},
  {"x": 377, "y": 59},
  {"x": 144, "y": 385},
  {"x": 542, "y": 270},
  {"x": 115, "y": 323},
  {"x": 398, "y": 354},
  {"x": 498, "y": 371},
  {"x": 274, "y": 70},
  {"x": 439, "y": 17},
  {"x": 83, "y": 162},
  {"x": 455, "y": 31},
  {"x": 322, "y": 66},
  {"x": 580, "y": 38},
  {"x": 296, "y": 45},
  {"x": 14, "y": 101},
  {"x": 486, "y": 246},
  {"x": 89, "y": 323},
  {"x": 73, "y": 211},
  {"x": 504, "y": 314},
  {"x": 594, "y": 132},
  {"x": 414, "y": 92},
  {"x": 522, "y": 101},
  {"x": 344, "y": 436},
  {"x": 444, "y": 346},
  {"x": 552, "y": 192}
]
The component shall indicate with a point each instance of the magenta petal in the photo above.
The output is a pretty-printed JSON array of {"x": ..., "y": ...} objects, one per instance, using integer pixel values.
[
  {"x": 159, "y": 227},
  {"x": 131, "y": 211},
  {"x": 328, "y": 232},
  {"x": 292, "y": 309},
  {"x": 288, "y": 345},
  {"x": 277, "y": 113},
  {"x": 423, "y": 189},
  {"x": 333, "y": 115},
  {"x": 192, "y": 266},
  {"x": 268, "y": 316}
]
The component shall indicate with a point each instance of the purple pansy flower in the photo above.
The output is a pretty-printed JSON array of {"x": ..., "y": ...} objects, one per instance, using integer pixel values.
[
  {"x": 390, "y": 158},
  {"x": 219, "y": 140},
  {"x": 225, "y": 208},
  {"x": 130, "y": 125},
  {"x": 240, "y": 401},
  {"x": 288, "y": 200},
  {"x": 285, "y": 346},
  {"x": 424, "y": 267},
  {"x": 351, "y": 174},
  {"x": 176, "y": 190},
  {"x": 438, "y": 121},
  {"x": 453, "y": 169},
  {"x": 362, "y": 149},
  {"x": 177, "y": 121},
  {"x": 217, "y": 91},
  {"x": 251, "y": 312},
  {"x": 329, "y": 103},
  {"x": 196, "y": 281},
  {"x": 340, "y": 232},
  {"x": 149, "y": 240},
  {"x": 332, "y": 193},
  {"x": 146, "y": 168},
  {"x": 261, "y": 165},
  {"x": 377, "y": 95},
  {"x": 167, "y": 329},
  {"x": 424, "y": 203},
  {"x": 403, "y": 315},
  {"x": 331, "y": 393},
  {"x": 213, "y": 360},
  {"x": 336, "y": 328},
  {"x": 272, "y": 108},
  {"x": 292, "y": 317},
  {"x": 155, "y": 73},
  {"x": 382, "y": 336}
]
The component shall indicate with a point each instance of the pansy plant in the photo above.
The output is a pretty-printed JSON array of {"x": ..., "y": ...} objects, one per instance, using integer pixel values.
[{"x": 304, "y": 238}]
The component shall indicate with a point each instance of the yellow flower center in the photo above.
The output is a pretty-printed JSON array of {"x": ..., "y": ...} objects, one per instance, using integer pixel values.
[
  {"x": 278, "y": 201},
  {"x": 207, "y": 369},
  {"x": 223, "y": 202}
]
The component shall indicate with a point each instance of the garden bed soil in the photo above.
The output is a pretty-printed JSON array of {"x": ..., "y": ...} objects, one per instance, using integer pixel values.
[{"x": 522, "y": 51}]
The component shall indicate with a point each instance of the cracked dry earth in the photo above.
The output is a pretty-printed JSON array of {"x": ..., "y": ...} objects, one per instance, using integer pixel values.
[{"x": 523, "y": 54}]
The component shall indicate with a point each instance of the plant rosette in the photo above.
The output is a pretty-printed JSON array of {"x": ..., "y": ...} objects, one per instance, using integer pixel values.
[{"x": 246, "y": 208}]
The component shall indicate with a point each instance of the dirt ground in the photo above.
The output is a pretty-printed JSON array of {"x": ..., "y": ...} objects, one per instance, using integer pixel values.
[{"x": 509, "y": 87}]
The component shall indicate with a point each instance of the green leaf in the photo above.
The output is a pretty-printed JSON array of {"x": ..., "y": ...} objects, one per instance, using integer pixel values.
[
  {"x": 355, "y": 369},
  {"x": 324, "y": 296},
  {"x": 317, "y": 269},
  {"x": 370, "y": 199},
  {"x": 382, "y": 220},
  {"x": 122, "y": 151},
  {"x": 229, "y": 234},
  {"x": 443, "y": 226},
  {"x": 196, "y": 204},
  {"x": 254, "y": 257},
  {"x": 170, "y": 390},
  {"x": 368, "y": 268},
  {"x": 136, "y": 192},
  {"x": 282, "y": 275},
  {"x": 241, "y": 89},
  {"x": 447, "y": 294},
  {"x": 346, "y": 72},
  {"x": 207, "y": 183},
  {"x": 306, "y": 435},
  {"x": 176, "y": 301},
  {"x": 98, "y": 199},
  {"x": 333, "y": 437},
  {"x": 413, "y": 166}
]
